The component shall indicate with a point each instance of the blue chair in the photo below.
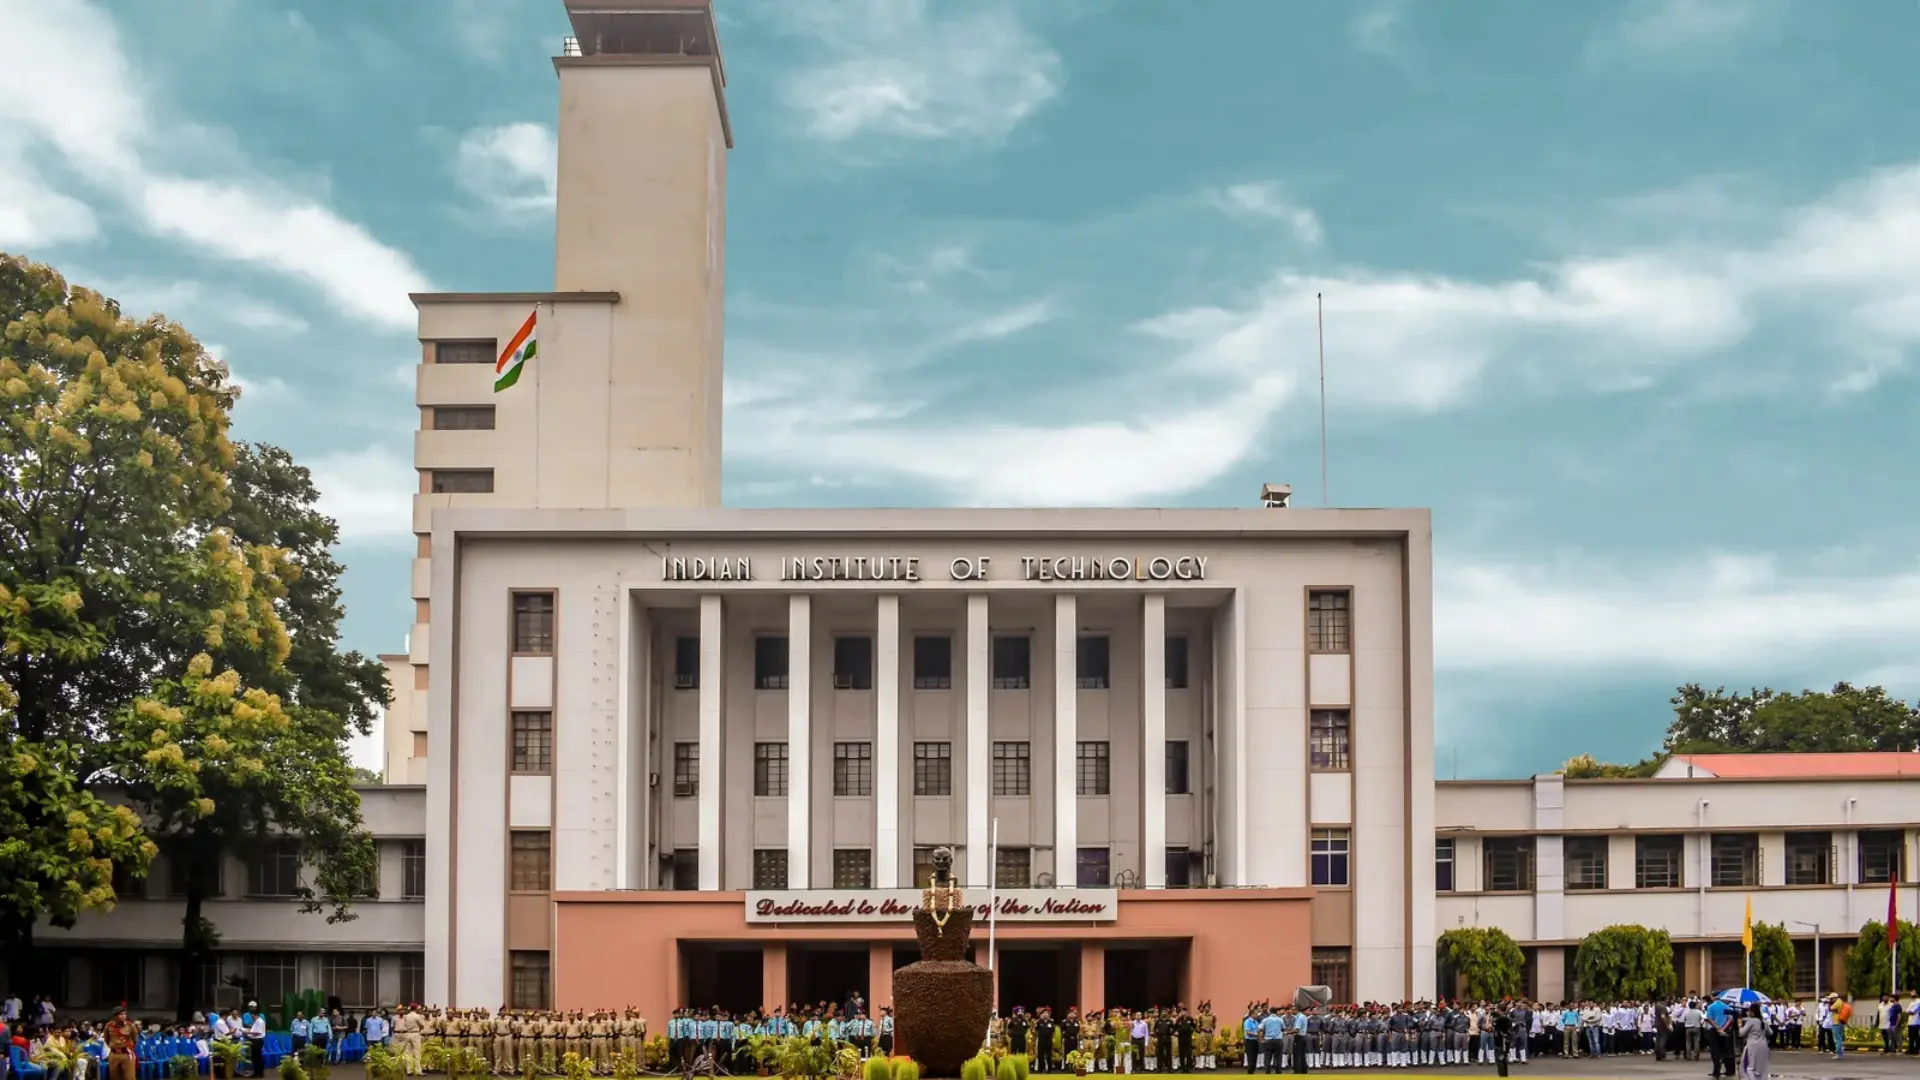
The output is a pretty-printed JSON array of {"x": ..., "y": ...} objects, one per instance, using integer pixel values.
[{"x": 23, "y": 1068}]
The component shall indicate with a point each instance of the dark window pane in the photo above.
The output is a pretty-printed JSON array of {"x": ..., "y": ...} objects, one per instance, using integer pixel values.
[
  {"x": 686, "y": 663},
  {"x": 853, "y": 663},
  {"x": 770, "y": 663},
  {"x": 933, "y": 663},
  {"x": 1328, "y": 625},
  {"x": 1093, "y": 662},
  {"x": 1012, "y": 662},
  {"x": 1176, "y": 663}
]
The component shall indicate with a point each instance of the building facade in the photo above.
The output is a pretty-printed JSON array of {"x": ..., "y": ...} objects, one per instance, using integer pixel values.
[
  {"x": 1817, "y": 842},
  {"x": 1194, "y": 746}
]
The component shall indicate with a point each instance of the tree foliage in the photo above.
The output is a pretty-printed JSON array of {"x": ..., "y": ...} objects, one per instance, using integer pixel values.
[
  {"x": 170, "y": 607},
  {"x": 1869, "y": 961},
  {"x": 1488, "y": 962},
  {"x": 1625, "y": 963},
  {"x": 1772, "y": 960},
  {"x": 1767, "y": 721},
  {"x": 1586, "y": 767}
]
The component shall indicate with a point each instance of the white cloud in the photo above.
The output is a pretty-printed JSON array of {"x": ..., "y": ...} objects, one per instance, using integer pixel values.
[
  {"x": 369, "y": 492},
  {"x": 1724, "y": 612},
  {"x": 1671, "y": 27},
  {"x": 34, "y": 214},
  {"x": 101, "y": 124},
  {"x": 1269, "y": 201},
  {"x": 196, "y": 305},
  {"x": 895, "y": 68},
  {"x": 1378, "y": 29},
  {"x": 513, "y": 168}
]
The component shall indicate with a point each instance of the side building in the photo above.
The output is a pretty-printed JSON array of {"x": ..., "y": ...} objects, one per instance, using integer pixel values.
[
  {"x": 1816, "y": 841},
  {"x": 132, "y": 953}
]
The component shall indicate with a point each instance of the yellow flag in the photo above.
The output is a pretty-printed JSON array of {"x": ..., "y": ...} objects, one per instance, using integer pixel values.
[{"x": 1746, "y": 926}]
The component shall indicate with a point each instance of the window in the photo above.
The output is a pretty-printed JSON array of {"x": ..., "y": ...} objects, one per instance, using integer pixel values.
[
  {"x": 1012, "y": 768},
  {"x": 461, "y": 481},
  {"x": 1013, "y": 867},
  {"x": 853, "y": 663},
  {"x": 1658, "y": 862},
  {"x": 686, "y": 663},
  {"x": 179, "y": 871},
  {"x": 354, "y": 978},
  {"x": 413, "y": 871},
  {"x": 1809, "y": 858},
  {"x": 1329, "y": 625},
  {"x": 1735, "y": 860},
  {"x": 532, "y": 867},
  {"x": 1806, "y": 977},
  {"x": 126, "y": 886},
  {"x": 1093, "y": 662},
  {"x": 119, "y": 977},
  {"x": 466, "y": 352},
  {"x": 1332, "y": 968},
  {"x": 532, "y": 979},
  {"x": 933, "y": 663},
  {"x": 1012, "y": 661},
  {"x": 852, "y": 868},
  {"x": 770, "y": 770},
  {"x": 853, "y": 769},
  {"x": 532, "y": 742},
  {"x": 1331, "y": 738},
  {"x": 922, "y": 867},
  {"x": 1093, "y": 769},
  {"x": 1179, "y": 868},
  {"x": 533, "y": 623},
  {"x": 1092, "y": 868},
  {"x": 932, "y": 768},
  {"x": 1507, "y": 864},
  {"x": 1177, "y": 781},
  {"x": 1882, "y": 856},
  {"x": 684, "y": 867},
  {"x": 463, "y": 418},
  {"x": 1443, "y": 866},
  {"x": 770, "y": 662},
  {"x": 275, "y": 871},
  {"x": 270, "y": 976},
  {"x": 1176, "y": 663},
  {"x": 413, "y": 977},
  {"x": 686, "y": 770},
  {"x": 1586, "y": 862},
  {"x": 770, "y": 868},
  {"x": 1332, "y": 849}
]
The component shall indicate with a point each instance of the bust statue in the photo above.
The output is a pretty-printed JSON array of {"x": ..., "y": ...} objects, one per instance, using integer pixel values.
[{"x": 942, "y": 897}]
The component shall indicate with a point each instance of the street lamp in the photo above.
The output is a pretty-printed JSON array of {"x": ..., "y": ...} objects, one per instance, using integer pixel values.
[{"x": 1816, "y": 954}]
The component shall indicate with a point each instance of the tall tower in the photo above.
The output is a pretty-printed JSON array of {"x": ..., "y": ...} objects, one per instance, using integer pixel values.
[{"x": 642, "y": 211}]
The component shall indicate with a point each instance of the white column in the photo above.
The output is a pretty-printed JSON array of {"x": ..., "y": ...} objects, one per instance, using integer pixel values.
[
  {"x": 1066, "y": 741},
  {"x": 799, "y": 739},
  {"x": 979, "y": 678},
  {"x": 713, "y": 647},
  {"x": 886, "y": 744},
  {"x": 1153, "y": 749}
]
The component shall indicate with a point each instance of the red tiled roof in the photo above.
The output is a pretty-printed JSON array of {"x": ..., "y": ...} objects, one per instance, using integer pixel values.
[{"x": 1803, "y": 766}]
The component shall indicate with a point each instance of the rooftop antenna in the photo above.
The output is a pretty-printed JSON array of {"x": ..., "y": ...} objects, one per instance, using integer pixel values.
[{"x": 1320, "y": 322}]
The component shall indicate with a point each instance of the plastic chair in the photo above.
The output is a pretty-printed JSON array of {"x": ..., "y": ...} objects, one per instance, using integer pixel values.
[{"x": 23, "y": 1068}]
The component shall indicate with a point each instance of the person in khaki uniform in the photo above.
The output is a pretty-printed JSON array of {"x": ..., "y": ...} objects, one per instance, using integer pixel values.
[
  {"x": 633, "y": 1036},
  {"x": 573, "y": 1035},
  {"x": 407, "y": 1029},
  {"x": 503, "y": 1060},
  {"x": 549, "y": 1028},
  {"x": 599, "y": 1043},
  {"x": 434, "y": 1027}
]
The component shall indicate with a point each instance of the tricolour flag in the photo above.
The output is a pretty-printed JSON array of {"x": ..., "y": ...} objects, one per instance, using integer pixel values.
[
  {"x": 1746, "y": 927},
  {"x": 513, "y": 359}
]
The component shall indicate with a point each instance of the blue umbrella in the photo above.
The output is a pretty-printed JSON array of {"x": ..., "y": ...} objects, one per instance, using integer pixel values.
[{"x": 1743, "y": 995}]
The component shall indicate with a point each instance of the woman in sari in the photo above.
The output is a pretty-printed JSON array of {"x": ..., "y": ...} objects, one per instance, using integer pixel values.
[{"x": 1755, "y": 1059}]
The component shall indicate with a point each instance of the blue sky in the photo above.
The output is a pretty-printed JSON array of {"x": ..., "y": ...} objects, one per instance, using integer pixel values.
[{"x": 1628, "y": 293}]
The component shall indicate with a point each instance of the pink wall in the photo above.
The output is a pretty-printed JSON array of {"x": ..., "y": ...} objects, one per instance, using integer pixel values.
[{"x": 617, "y": 949}]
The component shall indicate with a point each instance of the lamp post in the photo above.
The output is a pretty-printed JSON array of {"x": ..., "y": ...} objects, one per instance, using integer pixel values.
[{"x": 1815, "y": 927}]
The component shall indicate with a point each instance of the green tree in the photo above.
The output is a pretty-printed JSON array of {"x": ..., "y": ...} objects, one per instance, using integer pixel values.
[
  {"x": 1767, "y": 721},
  {"x": 1489, "y": 964},
  {"x": 1586, "y": 767},
  {"x": 1625, "y": 963},
  {"x": 1869, "y": 962},
  {"x": 1773, "y": 960}
]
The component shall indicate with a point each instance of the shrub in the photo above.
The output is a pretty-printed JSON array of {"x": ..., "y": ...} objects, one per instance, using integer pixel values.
[
  {"x": 1020, "y": 1066},
  {"x": 905, "y": 1068},
  {"x": 977, "y": 1067},
  {"x": 182, "y": 1067},
  {"x": 878, "y": 1068},
  {"x": 290, "y": 1069}
]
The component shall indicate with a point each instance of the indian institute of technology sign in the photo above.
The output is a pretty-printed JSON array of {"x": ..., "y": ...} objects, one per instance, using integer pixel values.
[
  {"x": 898, "y": 905},
  {"x": 964, "y": 568}
]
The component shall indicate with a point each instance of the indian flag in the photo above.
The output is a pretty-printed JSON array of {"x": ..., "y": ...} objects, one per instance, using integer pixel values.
[{"x": 513, "y": 359}]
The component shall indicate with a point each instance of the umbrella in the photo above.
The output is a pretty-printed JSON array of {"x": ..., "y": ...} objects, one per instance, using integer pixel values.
[{"x": 1742, "y": 995}]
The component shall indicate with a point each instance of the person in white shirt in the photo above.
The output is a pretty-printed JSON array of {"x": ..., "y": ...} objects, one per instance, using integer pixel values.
[
  {"x": 11, "y": 1011},
  {"x": 256, "y": 1032}
]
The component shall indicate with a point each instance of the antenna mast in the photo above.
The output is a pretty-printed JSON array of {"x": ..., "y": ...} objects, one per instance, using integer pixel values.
[{"x": 1320, "y": 322}]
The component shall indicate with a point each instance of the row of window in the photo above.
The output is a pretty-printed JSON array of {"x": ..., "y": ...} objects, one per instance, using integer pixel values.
[
  {"x": 1012, "y": 773},
  {"x": 354, "y": 978},
  {"x": 275, "y": 872},
  {"x": 1013, "y": 868},
  {"x": 1659, "y": 861}
]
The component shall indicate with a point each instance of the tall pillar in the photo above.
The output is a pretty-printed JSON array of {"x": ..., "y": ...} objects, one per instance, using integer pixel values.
[
  {"x": 712, "y": 649},
  {"x": 1153, "y": 748},
  {"x": 879, "y": 977},
  {"x": 1066, "y": 742},
  {"x": 1093, "y": 976},
  {"x": 886, "y": 746},
  {"x": 773, "y": 977},
  {"x": 979, "y": 678},
  {"x": 799, "y": 739}
]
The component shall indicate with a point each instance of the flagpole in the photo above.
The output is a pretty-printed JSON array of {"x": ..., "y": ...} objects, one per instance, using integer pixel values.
[
  {"x": 1320, "y": 329},
  {"x": 993, "y": 922}
]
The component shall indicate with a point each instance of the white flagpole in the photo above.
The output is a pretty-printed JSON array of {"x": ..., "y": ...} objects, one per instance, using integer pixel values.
[{"x": 993, "y": 920}]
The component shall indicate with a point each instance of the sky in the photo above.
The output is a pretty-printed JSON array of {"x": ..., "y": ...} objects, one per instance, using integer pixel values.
[{"x": 1627, "y": 293}]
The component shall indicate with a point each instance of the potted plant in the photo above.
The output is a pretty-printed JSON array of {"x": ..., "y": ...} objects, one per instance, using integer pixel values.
[
  {"x": 182, "y": 1067},
  {"x": 1077, "y": 1061},
  {"x": 314, "y": 1060},
  {"x": 575, "y": 1067},
  {"x": 291, "y": 1069},
  {"x": 226, "y": 1059},
  {"x": 383, "y": 1064},
  {"x": 905, "y": 1068}
]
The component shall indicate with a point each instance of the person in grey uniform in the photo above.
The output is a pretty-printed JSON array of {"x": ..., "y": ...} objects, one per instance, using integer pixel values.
[
  {"x": 1399, "y": 1027},
  {"x": 1316, "y": 1041},
  {"x": 1459, "y": 1023},
  {"x": 1523, "y": 1032}
]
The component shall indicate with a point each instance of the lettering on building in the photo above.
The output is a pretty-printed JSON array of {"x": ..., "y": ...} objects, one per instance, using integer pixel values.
[
  {"x": 906, "y": 568},
  {"x": 897, "y": 905}
]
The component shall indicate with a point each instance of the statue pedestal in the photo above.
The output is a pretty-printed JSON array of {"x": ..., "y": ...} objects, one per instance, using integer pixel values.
[{"x": 942, "y": 1004}]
